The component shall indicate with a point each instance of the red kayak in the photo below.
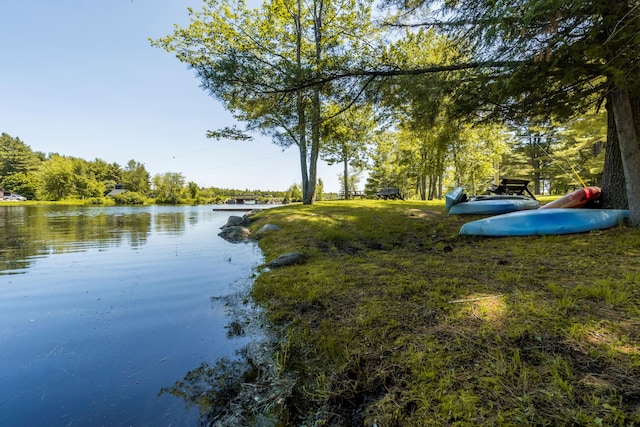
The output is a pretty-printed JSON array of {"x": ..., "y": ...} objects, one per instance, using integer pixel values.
[{"x": 575, "y": 199}]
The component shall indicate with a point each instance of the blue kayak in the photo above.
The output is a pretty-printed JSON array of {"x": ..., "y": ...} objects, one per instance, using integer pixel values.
[
  {"x": 454, "y": 197},
  {"x": 546, "y": 221},
  {"x": 493, "y": 205}
]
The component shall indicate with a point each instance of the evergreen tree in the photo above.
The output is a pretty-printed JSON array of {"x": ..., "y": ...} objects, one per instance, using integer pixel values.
[
  {"x": 547, "y": 58},
  {"x": 476, "y": 154},
  {"x": 16, "y": 158},
  {"x": 250, "y": 59},
  {"x": 578, "y": 158},
  {"x": 107, "y": 174},
  {"x": 385, "y": 169},
  {"x": 346, "y": 137},
  {"x": 136, "y": 178}
]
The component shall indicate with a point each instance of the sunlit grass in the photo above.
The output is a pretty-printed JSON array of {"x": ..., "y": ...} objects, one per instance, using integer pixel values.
[{"x": 396, "y": 320}]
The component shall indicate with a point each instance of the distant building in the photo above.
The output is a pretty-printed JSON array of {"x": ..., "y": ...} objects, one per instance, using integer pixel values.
[
  {"x": 116, "y": 191},
  {"x": 243, "y": 200}
]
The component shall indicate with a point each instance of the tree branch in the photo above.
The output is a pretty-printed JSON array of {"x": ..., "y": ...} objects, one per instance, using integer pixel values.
[{"x": 321, "y": 80}]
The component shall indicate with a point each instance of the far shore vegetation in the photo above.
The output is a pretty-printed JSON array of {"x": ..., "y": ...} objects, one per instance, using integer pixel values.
[{"x": 71, "y": 180}]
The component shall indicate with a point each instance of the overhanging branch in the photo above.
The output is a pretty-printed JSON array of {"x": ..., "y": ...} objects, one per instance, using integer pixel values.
[{"x": 321, "y": 80}]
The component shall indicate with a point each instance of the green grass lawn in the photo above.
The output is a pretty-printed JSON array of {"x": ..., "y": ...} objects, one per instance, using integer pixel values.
[{"x": 395, "y": 320}]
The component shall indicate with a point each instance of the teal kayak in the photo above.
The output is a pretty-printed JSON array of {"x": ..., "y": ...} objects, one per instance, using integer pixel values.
[
  {"x": 493, "y": 205},
  {"x": 453, "y": 197},
  {"x": 546, "y": 221}
]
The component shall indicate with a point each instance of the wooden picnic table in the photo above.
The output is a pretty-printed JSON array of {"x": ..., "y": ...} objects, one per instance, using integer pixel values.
[
  {"x": 353, "y": 194},
  {"x": 389, "y": 194},
  {"x": 512, "y": 186}
]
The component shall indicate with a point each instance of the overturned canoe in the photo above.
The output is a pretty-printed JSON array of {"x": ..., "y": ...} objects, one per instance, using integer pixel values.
[
  {"x": 546, "y": 221},
  {"x": 575, "y": 199},
  {"x": 493, "y": 205}
]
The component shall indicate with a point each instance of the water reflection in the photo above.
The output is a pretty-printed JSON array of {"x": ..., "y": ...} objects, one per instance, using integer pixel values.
[
  {"x": 110, "y": 306},
  {"x": 171, "y": 223},
  {"x": 31, "y": 232}
]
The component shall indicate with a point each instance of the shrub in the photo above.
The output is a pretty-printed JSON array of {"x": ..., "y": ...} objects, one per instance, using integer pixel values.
[{"x": 130, "y": 198}]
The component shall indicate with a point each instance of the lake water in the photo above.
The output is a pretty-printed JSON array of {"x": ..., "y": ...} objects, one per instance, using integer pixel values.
[{"x": 102, "y": 307}]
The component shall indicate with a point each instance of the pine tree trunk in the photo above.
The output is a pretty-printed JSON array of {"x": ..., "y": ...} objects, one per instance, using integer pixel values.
[
  {"x": 302, "y": 143},
  {"x": 309, "y": 197},
  {"x": 614, "y": 193},
  {"x": 629, "y": 150},
  {"x": 615, "y": 182},
  {"x": 536, "y": 176},
  {"x": 300, "y": 107},
  {"x": 473, "y": 182},
  {"x": 432, "y": 186},
  {"x": 345, "y": 178}
]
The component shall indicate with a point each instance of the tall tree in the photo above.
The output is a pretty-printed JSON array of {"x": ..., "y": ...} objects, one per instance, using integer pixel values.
[
  {"x": 422, "y": 155},
  {"x": 84, "y": 183},
  {"x": 346, "y": 138},
  {"x": 192, "y": 190},
  {"x": 168, "y": 187},
  {"x": 579, "y": 155},
  {"x": 385, "y": 169},
  {"x": 107, "y": 174},
  {"x": 476, "y": 153},
  {"x": 547, "y": 58},
  {"x": 420, "y": 106},
  {"x": 527, "y": 58},
  {"x": 56, "y": 178},
  {"x": 16, "y": 157},
  {"x": 536, "y": 143},
  {"x": 248, "y": 58},
  {"x": 136, "y": 178}
]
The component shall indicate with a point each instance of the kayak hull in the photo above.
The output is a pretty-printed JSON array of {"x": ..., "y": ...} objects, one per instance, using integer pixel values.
[
  {"x": 575, "y": 199},
  {"x": 493, "y": 205},
  {"x": 454, "y": 197},
  {"x": 546, "y": 221}
]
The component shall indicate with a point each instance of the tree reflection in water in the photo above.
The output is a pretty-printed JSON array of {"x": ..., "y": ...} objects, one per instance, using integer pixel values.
[{"x": 30, "y": 232}]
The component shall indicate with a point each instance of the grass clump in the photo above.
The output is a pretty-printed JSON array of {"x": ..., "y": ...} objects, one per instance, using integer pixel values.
[{"x": 395, "y": 320}]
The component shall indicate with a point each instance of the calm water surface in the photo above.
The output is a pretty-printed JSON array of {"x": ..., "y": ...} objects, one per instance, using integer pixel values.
[{"x": 102, "y": 307}]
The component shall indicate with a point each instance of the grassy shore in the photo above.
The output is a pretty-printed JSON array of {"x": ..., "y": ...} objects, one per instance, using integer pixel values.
[{"x": 395, "y": 320}]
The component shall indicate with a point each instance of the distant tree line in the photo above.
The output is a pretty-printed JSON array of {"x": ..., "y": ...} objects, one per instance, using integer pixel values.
[
  {"x": 53, "y": 176},
  {"x": 555, "y": 157}
]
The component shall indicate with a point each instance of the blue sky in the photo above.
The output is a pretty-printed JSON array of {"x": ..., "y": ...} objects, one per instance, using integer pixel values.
[{"x": 80, "y": 78}]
